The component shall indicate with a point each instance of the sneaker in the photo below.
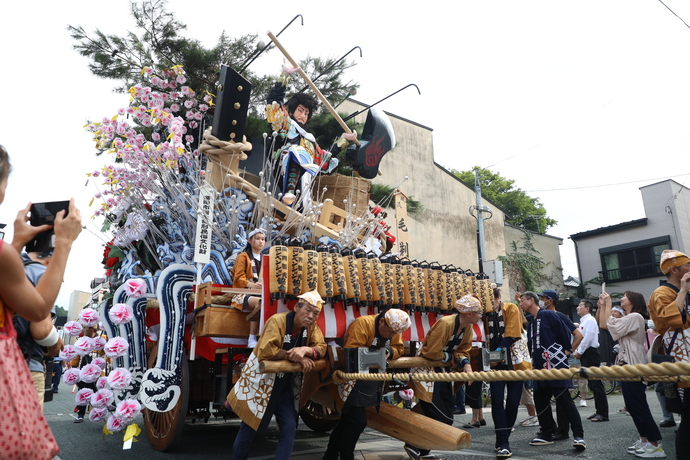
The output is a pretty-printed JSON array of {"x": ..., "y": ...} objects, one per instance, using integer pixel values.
[
  {"x": 648, "y": 450},
  {"x": 635, "y": 446},
  {"x": 79, "y": 420},
  {"x": 579, "y": 443},
  {"x": 412, "y": 452},
  {"x": 663, "y": 424},
  {"x": 541, "y": 440},
  {"x": 583, "y": 403},
  {"x": 530, "y": 421}
]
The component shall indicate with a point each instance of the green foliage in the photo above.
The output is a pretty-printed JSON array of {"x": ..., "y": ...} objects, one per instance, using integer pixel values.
[
  {"x": 524, "y": 266},
  {"x": 158, "y": 43},
  {"x": 522, "y": 210},
  {"x": 382, "y": 195},
  {"x": 59, "y": 311}
]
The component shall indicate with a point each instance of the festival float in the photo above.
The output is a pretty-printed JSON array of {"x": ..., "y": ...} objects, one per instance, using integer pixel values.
[{"x": 180, "y": 209}]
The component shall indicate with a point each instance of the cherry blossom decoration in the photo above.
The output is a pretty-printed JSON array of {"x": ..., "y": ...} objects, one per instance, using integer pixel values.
[
  {"x": 121, "y": 313},
  {"x": 89, "y": 317},
  {"x": 73, "y": 328},
  {"x": 83, "y": 397},
  {"x": 98, "y": 414},
  {"x": 135, "y": 288},
  {"x": 116, "y": 347},
  {"x": 119, "y": 379},
  {"x": 71, "y": 376}
]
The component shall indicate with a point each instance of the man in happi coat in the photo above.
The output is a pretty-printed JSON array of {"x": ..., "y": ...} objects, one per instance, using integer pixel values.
[
  {"x": 374, "y": 332},
  {"x": 669, "y": 309},
  {"x": 548, "y": 339},
  {"x": 448, "y": 340},
  {"x": 257, "y": 397}
]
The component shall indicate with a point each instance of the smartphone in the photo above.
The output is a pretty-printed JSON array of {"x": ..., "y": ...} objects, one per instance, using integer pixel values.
[
  {"x": 603, "y": 287},
  {"x": 41, "y": 214}
]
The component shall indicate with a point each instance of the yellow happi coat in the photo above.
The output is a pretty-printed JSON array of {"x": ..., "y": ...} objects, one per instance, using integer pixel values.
[
  {"x": 432, "y": 348},
  {"x": 250, "y": 395}
]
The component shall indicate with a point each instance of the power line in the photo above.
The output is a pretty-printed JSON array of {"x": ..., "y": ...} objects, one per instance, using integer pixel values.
[
  {"x": 605, "y": 185},
  {"x": 681, "y": 19}
]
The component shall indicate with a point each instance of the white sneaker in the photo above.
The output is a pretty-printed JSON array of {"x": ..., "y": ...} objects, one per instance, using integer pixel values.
[
  {"x": 648, "y": 450},
  {"x": 635, "y": 446},
  {"x": 583, "y": 403},
  {"x": 530, "y": 421}
]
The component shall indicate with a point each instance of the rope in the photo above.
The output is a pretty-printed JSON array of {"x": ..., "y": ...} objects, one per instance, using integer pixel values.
[
  {"x": 662, "y": 372},
  {"x": 215, "y": 147}
]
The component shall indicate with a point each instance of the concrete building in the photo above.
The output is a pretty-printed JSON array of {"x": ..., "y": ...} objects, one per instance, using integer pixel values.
[
  {"x": 445, "y": 231},
  {"x": 626, "y": 255}
]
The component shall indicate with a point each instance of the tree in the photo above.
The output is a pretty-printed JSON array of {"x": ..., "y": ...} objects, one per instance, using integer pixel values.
[
  {"x": 521, "y": 209},
  {"x": 160, "y": 45}
]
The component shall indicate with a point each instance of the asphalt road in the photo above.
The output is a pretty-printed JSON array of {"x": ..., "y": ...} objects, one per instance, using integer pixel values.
[{"x": 213, "y": 440}]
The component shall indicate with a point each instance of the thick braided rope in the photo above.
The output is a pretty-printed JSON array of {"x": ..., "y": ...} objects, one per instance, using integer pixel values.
[
  {"x": 214, "y": 146},
  {"x": 665, "y": 372}
]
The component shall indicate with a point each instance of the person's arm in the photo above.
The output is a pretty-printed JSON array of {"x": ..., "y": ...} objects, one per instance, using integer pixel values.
[
  {"x": 604, "y": 311},
  {"x": 397, "y": 346},
  {"x": 577, "y": 338},
  {"x": 240, "y": 271},
  {"x": 462, "y": 353},
  {"x": 360, "y": 333},
  {"x": 591, "y": 332},
  {"x": 17, "y": 291},
  {"x": 683, "y": 293},
  {"x": 270, "y": 345},
  {"x": 663, "y": 307}
]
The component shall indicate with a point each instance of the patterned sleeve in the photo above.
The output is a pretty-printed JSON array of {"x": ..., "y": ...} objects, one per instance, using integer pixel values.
[{"x": 664, "y": 310}]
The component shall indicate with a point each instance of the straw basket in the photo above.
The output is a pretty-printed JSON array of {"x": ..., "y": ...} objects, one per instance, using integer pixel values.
[{"x": 353, "y": 189}]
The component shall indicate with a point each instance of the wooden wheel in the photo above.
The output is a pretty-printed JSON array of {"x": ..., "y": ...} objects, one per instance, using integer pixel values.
[
  {"x": 319, "y": 418},
  {"x": 163, "y": 428}
]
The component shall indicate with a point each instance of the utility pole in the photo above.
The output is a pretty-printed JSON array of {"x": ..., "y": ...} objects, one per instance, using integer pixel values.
[{"x": 481, "y": 210}]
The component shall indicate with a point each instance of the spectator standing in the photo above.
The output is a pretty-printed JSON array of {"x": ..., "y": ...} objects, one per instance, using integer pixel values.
[{"x": 588, "y": 354}]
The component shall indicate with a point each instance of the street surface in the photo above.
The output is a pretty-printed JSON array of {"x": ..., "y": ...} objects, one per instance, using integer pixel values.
[{"x": 213, "y": 440}]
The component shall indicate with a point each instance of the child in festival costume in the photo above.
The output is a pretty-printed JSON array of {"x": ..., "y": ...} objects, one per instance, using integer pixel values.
[
  {"x": 24, "y": 432},
  {"x": 247, "y": 274}
]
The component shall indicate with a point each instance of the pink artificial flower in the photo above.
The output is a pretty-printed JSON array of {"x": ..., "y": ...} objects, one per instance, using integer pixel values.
[
  {"x": 90, "y": 373},
  {"x": 71, "y": 376},
  {"x": 89, "y": 317},
  {"x": 102, "y": 398},
  {"x": 119, "y": 378},
  {"x": 121, "y": 111},
  {"x": 128, "y": 409},
  {"x": 116, "y": 347},
  {"x": 115, "y": 424},
  {"x": 68, "y": 353},
  {"x": 181, "y": 79},
  {"x": 407, "y": 394},
  {"x": 156, "y": 136},
  {"x": 98, "y": 344},
  {"x": 83, "y": 397},
  {"x": 73, "y": 328},
  {"x": 100, "y": 362},
  {"x": 135, "y": 288},
  {"x": 98, "y": 414},
  {"x": 174, "y": 107},
  {"x": 101, "y": 383},
  {"x": 121, "y": 313},
  {"x": 84, "y": 345}
]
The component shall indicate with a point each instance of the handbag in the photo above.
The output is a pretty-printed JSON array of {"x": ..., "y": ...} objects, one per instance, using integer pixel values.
[
  {"x": 656, "y": 354},
  {"x": 24, "y": 432}
]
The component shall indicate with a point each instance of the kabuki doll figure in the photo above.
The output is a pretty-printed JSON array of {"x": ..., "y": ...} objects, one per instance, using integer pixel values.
[{"x": 300, "y": 156}]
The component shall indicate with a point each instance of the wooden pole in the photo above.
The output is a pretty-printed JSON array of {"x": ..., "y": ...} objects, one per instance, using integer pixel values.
[
  {"x": 311, "y": 84},
  {"x": 416, "y": 429}
]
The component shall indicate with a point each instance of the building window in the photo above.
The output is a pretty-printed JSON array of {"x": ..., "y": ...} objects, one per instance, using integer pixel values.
[{"x": 633, "y": 261}]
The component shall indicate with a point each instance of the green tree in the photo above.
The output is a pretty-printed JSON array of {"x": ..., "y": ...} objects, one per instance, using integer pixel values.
[
  {"x": 521, "y": 209},
  {"x": 158, "y": 43},
  {"x": 60, "y": 311}
]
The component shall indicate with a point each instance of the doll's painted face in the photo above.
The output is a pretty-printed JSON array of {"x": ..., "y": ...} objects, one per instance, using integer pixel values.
[{"x": 301, "y": 114}]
